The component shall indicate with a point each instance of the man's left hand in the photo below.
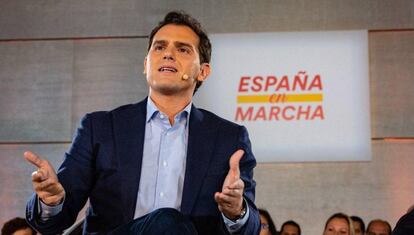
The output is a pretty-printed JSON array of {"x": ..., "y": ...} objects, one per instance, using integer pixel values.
[{"x": 230, "y": 199}]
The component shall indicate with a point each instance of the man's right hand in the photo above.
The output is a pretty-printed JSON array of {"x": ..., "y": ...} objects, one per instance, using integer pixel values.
[{"x": 44, "y": 180}]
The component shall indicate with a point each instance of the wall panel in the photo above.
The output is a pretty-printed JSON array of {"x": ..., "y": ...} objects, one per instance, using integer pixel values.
[
  {"x": 392, "y": 83},
  {"x": 107, "y": 74},
  {"x": 80, "y": 18},
  {"x": 35, "y": 91}
]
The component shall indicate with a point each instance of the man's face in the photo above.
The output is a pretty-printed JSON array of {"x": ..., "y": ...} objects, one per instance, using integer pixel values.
[
  {"x": 172, "y": 55},
  {"x": 289, "y": 230},
  {"x": 357, "y": 228},
  {"x": 377, "y": 228}
]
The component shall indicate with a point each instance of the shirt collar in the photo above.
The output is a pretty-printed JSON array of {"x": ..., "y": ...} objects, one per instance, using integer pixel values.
[{"x": 152, "y": 110}]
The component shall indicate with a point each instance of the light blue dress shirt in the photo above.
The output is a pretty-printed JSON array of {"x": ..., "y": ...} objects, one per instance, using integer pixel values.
[{"x": 163, "y": 163}]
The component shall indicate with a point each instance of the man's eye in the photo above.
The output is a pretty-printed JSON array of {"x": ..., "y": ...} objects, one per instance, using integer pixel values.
[
  {"x": 158, "y": 48},
  {"x": 184, "y": 50}
]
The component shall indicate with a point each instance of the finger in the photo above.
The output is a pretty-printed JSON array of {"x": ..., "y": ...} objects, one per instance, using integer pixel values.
[
  {"x": 46, "y": 185},
  {"x": 216, "y": 197},
  {"x": 49, "y": 198},
  {"x": 32, "y": 158},
  {"x": 235, "y": 193},
  {"x": 225, "y": 200},
  {"x": 234, "y": 163},
  {"x": 220, "y": 199},
  {"x": 238, "y": 184},
  {"x": 50, "y": 190},
  {"x": 38, "y": 176}
]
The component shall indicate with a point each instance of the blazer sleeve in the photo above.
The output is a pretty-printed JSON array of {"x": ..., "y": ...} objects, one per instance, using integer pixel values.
[
  {"x": 76, "y": 176},
  {"x": 247, "y": 163}
]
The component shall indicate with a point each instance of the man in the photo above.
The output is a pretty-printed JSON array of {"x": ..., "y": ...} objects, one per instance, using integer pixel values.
[
  {"x": 378, "y": 227},
  {"x": 290, "y": 227},
  {"x": 147, "y": 160},
  {"x": 17, "y": 226},
  {"x": 405, "y": 224},
  {"x": 359, "y": 225}
]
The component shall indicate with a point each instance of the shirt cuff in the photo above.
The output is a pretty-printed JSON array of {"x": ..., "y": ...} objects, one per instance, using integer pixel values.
[
  {"x": 46, "y": 211},
  {"x": 235, "y": 226}
]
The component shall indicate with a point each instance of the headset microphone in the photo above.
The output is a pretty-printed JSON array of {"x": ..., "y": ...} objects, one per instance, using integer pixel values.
[{"x": 185, "y": 77}]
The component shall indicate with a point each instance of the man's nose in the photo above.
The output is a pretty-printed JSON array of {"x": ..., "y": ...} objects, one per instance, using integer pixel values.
[{"x": 168, "y": 55}]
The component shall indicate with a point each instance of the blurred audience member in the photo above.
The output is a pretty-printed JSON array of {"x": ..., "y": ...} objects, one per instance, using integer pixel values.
[
  {"x": 379, "y": 227},
  {"x": 17, "y": 226},
  {"x": 290, "y": 227},
  {"x": 405, "y": 224},
  {"x": 339, "y": 224},
  {"x": 266, "y": 223},
  {"x": 359, "y": 226}
]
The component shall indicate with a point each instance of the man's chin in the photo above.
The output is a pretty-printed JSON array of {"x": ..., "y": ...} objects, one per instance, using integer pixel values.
[{"x": 171, "y": 90}]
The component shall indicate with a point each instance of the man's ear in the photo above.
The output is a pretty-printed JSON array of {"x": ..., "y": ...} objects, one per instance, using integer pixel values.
[
  {"x": 145, "y": 66},
  {"x": 205, "y": 70}
]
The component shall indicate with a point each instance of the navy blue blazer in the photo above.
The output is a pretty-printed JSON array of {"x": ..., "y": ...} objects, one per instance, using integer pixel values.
[
  {"x": 405, "y": 224},
  {"x": 104, "y": 165}
]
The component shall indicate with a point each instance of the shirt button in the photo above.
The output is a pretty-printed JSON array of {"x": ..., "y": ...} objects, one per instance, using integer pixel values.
[
  {"x": 162, "y": 116},
  {"x": 161, "y": 194},
  {"x": 164, "y": 163}
]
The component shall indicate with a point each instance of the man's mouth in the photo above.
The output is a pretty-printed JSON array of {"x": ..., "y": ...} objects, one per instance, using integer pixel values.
[{"x": 167, "y": 69}]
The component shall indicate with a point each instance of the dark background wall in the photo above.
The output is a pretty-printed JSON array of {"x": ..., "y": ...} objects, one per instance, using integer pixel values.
[{"x": 61, "y": 59}]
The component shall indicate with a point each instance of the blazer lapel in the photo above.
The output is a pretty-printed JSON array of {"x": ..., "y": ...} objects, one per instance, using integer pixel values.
[
  {"x": 129, "y": 132},
  {"x": 200, "y": 146}
]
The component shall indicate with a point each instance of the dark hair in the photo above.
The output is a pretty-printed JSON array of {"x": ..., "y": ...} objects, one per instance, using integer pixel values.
[
  {"x": 272, "y": 227},
  {"x": 292, "y": 223},
  {"x": 14, "y": 225},
  {"x": 360, "y": 221},
  {"x": 182, "y": 18},
  {"x": 382, "y": 221}
]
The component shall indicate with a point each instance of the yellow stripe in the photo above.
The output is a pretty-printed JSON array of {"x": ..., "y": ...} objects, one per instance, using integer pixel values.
[
  {"x": 252, "y": 98},
  {"x": 279, "y": 98}
]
